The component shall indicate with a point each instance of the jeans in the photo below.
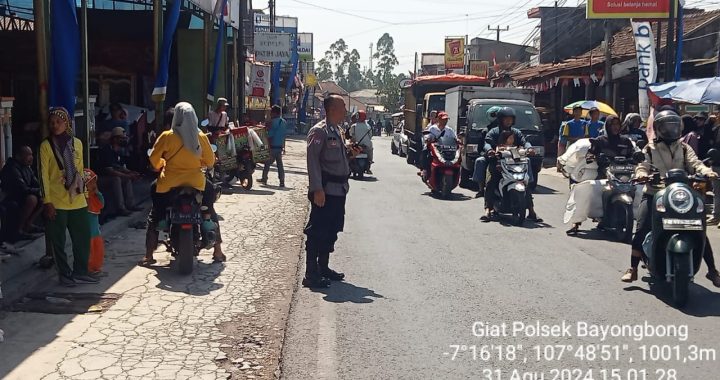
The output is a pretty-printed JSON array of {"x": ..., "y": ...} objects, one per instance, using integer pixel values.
[
  {"x": 275, "y": 156},
  {"x": 480, "y": 171}
]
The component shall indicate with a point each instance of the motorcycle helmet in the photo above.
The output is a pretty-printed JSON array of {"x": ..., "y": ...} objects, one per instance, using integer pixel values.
[
  {"x": 362, "y": 115},
  {"x": 668, "y": 126},
  {"x": 506, "y": 112},
  {"x": 492, "y": 112}
]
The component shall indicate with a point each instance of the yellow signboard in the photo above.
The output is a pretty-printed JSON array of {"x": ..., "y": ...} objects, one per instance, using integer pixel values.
[
  {"x": 479, "y": 68},
  {"x": 310, "y": 79},
  {"x": 454, "y": 53}
]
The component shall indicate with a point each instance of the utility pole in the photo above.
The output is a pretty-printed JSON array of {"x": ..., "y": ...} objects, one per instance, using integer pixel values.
[
  {"x": 371, "y": 55},
  {"x": 718, "y": 55},
  {"x": 242, "y": 58},
  {"x": 157, "y": 31},
  {"x": 271, "y": 6},
  {"x": 498, "y": 29},
  {"x": 670, "y": 44},
  {"x": 415, "y": 70},
  {"x": 39, "y": 8},
  {"x": 556, "y": 16},
  {"x": 608, "y": 66}
]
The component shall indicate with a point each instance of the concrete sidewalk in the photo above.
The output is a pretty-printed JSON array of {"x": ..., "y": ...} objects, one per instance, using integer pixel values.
[{"x": 226, "y": 320}]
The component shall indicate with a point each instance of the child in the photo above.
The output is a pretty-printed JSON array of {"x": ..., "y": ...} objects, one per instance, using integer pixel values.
[
  {"x": 96, "y": 202},
  {"x": 506, "y": 139}
]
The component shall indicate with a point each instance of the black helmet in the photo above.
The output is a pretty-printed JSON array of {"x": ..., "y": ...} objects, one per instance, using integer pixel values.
[
  {"x": 506, "y": 112},
  {"x": 668, "y": 126}
]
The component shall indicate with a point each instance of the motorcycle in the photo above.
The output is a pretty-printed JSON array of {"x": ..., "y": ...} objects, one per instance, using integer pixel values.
[
  {"x": 511, "y": 193},
  {"x": 246, "y": 167},
  {"x": 187, "y": 226},
  {"x": 674, "y": 248},
  {"x": 618, "y": 196},
  {"x": 360, "y": 163},
  {"x": 444, "y": 173}
]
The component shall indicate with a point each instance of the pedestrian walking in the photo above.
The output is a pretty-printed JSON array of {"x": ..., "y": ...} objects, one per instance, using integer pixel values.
[
  {"x": 276, "y": 134},
  {"x": 328, "y": 171},
  {"x": 61, "y": 169}
]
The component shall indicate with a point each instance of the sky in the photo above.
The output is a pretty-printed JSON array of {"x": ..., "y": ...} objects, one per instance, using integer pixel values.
[{"x": 416, "y": 25}]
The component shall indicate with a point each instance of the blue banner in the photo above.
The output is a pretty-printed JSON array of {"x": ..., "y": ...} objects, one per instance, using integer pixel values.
[
  {"x": 161, "y": 77},
  {"x": 679, "y": 50},
  {"x": 219, "y": 46},
  {"x": 64, "y": 54},
  {"x": 277, "y": 67},
  {"x": 302, "y": 114},
  {"x": 295, "y": 57}
]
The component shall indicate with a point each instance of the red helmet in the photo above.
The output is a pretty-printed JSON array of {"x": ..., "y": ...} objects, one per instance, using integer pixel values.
[{"x": 362, "y": 116}]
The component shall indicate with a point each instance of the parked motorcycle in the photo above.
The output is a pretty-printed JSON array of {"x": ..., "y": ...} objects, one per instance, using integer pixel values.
[
  {"x": 444, "y": 173},
  {"x": 674, "y": 248},
  {"x": 360, "y": 163},
  {"x": 511, "y": 193},
  {"x": 618, "y": 196},
  {"x": 246, "y": 167}
]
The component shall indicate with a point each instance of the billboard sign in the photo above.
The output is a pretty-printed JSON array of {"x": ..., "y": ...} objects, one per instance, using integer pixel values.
[
  {"x": 305, "y": 46},
  {"x": 454, "y": 53},
  {"x": 283, "y": 24},
  {"x": 646, "y": 63},
  {"x": 272, "y": 47},
  {"x": 260, "y": 81},
  {"x": 642, "y": 9},
  {"x": 479, "y": 68}
]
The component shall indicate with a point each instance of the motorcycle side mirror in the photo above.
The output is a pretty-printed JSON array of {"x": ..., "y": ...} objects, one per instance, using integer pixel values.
[
  {"x": 214, "y": 148},
  {"x": 638, "y": 157},
  {"x": 205, "y": 123},
  {"x": 641, "y": 144},
  {"x": 149, "y": 152},
  {"x": 714, "y": 155}
]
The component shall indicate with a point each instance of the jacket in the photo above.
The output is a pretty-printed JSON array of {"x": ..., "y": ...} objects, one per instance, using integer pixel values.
[
  {"x": 18, "y": 180},
  {"x": 491, "y": 139},
  {"x": 53, "y": 186},
  {"x": 612, "y": 147},
  {"x": 677, "y": 155}
]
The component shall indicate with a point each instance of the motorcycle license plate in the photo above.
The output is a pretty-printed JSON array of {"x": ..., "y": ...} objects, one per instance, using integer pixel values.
[
  {"x": 682, "y": 224},
  {"x": 361, "y": 155}
]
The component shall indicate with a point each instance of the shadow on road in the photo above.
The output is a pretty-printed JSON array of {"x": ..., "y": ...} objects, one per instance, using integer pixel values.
[
  {"x": 341, "y": 292},
  {"x": 240, "y": 190},
  {"x": 454, "y": 197},
  {"x": 702, "y": 302},
  {"x": 277, "y": 188},
  {"x": 365, "y": 179},
  {"x": 200, "y": 283},
  {"x": 542, "y": 190}
]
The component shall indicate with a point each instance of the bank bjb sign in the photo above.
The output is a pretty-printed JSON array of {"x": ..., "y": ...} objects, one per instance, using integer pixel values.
[
  {"x": 646, "y": 63},
  {"x": 273, "y": 47}
]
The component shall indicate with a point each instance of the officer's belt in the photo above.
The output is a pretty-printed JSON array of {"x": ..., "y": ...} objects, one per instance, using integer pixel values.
[{"x": 329, "y": 178}]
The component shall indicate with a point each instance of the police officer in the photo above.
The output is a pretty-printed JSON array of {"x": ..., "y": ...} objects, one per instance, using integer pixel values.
[{"x": 328, "y": 172}]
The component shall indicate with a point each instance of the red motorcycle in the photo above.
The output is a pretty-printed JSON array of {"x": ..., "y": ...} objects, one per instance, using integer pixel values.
[{"x": 444, "y": 173}]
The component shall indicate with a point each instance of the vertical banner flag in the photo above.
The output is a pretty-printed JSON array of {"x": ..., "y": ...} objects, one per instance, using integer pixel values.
[
  {"x": 219, "y": 47},
  {"x": 295, "y": 58},
  {"x": 64, "y": 54},
  {"x": 680, "y": 32},
  {"x": 647, "y": 66},
  {"x": 161, "y": 77},
  {"x": 454, "y": 53}
]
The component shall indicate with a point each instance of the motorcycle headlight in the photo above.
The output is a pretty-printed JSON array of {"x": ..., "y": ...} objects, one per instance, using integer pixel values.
[
  {"x": 700, "y": 206},
  {"x": 518, "y": 169},
  {"x": 519, "y": 177},
  {"x": 681, "y": 200}
]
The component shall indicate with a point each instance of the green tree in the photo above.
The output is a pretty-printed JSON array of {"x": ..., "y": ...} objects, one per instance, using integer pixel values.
[
  {"x": 355, "y": 80},
  {"x": 324, "y": 70},
  {"x": 385, "y": 81}
]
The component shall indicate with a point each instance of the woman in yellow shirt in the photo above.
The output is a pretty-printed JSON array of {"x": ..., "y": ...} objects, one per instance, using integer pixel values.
[
  {"x": 180, "y": 155},
  {"x": 61, "y": 171}
]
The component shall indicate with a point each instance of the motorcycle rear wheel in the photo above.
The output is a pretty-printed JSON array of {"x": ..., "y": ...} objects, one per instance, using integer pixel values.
[
  {"x": 185, "y": 251},
  {"x": 681, "y": 280}
]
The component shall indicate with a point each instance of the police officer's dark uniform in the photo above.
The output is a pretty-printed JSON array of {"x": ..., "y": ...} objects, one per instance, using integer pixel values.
[{"x": 328, "y": 170}]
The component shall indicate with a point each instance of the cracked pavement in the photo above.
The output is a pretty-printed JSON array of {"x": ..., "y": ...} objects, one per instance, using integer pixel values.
[{"x": 224, "y": 321}]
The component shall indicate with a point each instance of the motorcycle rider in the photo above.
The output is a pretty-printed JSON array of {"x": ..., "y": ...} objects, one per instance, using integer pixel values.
[
  {"x": 631, "y": 128},
  {"x": 506, "y": 120},
  {"x": 361, "y": 133},
  {"x": 480, "y": 171},
  {"x": 180, "y": 154},
  {"x": 611, "y": 144},
  {"x": 434, "y": 133},
  {"x": 665, "y": 152}
]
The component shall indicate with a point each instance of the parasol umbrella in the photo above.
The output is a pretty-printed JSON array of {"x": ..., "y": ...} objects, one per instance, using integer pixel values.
[
  {"x": 588, "y": 104},
  {"x": 696, "y": 91}
]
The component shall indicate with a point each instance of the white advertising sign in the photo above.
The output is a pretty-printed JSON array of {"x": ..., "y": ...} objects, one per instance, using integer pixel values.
[
  {"x": 305, "y": 46},
  {"x": 260, "y": 81},
  {"x": 232, "y": 13},
  {"x": 272, "y": 47},
  {"x": 646, "y": 63}
]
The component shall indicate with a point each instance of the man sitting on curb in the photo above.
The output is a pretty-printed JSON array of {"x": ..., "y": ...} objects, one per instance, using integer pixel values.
[
  {"x": 22, "y": 189},
  {"x": 115, "y": 175}
]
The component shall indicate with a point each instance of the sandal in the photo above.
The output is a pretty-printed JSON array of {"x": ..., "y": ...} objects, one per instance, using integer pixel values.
[
  {"x": 573, "y": 231},
  {"x": 145, "y": 262}
]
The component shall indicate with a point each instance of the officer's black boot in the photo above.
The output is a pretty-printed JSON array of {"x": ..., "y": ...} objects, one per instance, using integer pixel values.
[
  {"x": 325, "y": 271},
  {"x": 313, "y": 278}
]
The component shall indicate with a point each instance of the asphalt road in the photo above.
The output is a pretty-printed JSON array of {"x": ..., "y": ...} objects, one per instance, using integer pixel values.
[{"x": 423, "y": 272}]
